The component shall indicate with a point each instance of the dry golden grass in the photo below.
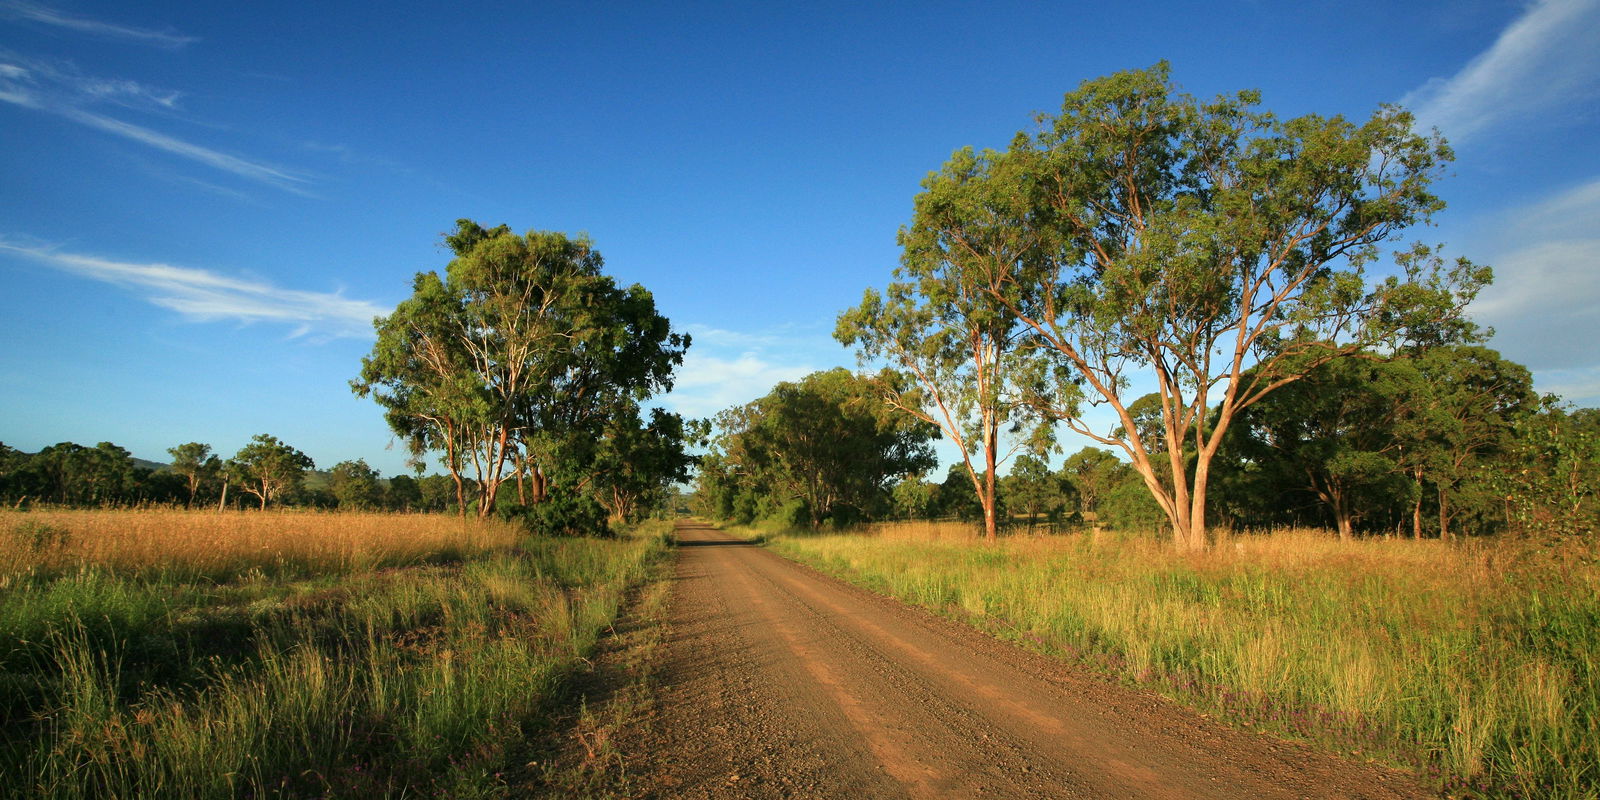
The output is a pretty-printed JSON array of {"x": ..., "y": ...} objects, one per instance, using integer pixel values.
[
  {"x": 1279, "y": 549},
  {"x": 220, "y": 542}
]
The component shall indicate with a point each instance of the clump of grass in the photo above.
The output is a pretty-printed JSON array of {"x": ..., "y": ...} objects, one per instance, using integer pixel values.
[
  {"x": 1473, "y": 663},
  {"x": 388, "y": 659}
]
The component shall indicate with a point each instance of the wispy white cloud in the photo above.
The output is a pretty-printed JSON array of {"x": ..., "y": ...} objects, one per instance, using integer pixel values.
[
  {"x": 45, "y": 15},
  {"x": 245, "y": 168},
  {"x": 1549, "y": 59},
  {"x": 203, "y": 295},
  {"x": 708, "y": 383},
  {"x": 725, "y": 368},
  {"x": 59, "y": 89},
  {"x": 1545, "y": 302}
]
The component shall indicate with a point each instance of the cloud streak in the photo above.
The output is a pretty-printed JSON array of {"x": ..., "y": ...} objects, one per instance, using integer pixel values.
[
  {"x": 1547, "y": 59},
  {"x": 65, "y": 93},
  {"x": 206, "y": 296},
  {"x": 45, "y": 15}
]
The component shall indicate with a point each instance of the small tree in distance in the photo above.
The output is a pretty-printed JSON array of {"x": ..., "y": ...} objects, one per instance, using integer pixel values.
[
  {"x": 194, "y": 462},
  {"x": 355, "y": 485},
  {"x": 268, "y": 468}
]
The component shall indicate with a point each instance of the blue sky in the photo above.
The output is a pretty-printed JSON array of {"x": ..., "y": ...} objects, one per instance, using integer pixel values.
[{"x": 203, "y": 204}]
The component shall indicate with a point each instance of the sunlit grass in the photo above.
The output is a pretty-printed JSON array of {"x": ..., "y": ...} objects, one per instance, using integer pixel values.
[
  {"x": 288, "y": 654},
  {"x": 1478, "y": 663},
  {"x": 220, "y": 544}
]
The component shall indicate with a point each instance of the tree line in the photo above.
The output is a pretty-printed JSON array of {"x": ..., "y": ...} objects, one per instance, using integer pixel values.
[
  {"x": 1450, "y": 442},
  {"x": 264, "y": 472}
]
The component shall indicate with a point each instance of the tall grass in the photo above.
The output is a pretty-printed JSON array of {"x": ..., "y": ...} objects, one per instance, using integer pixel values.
[
  {"x": 324, "y": 655},
  {"x": 1477, "y": 664}
]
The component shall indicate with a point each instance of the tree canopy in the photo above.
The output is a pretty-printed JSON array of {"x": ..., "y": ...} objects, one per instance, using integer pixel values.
[{"x": 516, "y": 358}]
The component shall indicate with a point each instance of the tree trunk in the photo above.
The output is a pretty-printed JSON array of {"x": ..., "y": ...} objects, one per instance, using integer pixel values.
[
  {"x": 1416, "y": 508},
  {"x": 1346, "y": 525},
  {"x": 1444, "y": 515},
  {"x": 223, "y": 503},
  {"x": 991, "y": 527},
  {"x": 1197, "y": 502},
  {"x": 538, "y": 484}
]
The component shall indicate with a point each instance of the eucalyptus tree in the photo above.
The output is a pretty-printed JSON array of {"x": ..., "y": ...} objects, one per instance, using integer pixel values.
[
  {"x": 639, "y": 459},
  {"x": 520, "y": 350},
  {"x": 1464, "y": 412},
  {"x": 1093, "y": 472},
  {"x": 195, "y": 463},
  {"x": 355, "y": 484},
  {"x": 1219, "y": 253},
  {"x": 1552, "y": 488},
  {"x": 1033, "y": 489},
  {"x": 962, "y": 348},
  {"x": 268, "y": 468},
  {"x": 402, "y": 494},
  {"x": 825, "y": 441}
]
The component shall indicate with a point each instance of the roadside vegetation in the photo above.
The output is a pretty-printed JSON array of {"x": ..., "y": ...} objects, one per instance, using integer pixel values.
[
  {"x": 1477, "y": 664},
  {"x": 294, "y": 654},
  {"x": 1211, "y": 276}
]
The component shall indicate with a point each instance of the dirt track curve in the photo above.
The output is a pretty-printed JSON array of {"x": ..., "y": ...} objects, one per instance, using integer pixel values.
[{"x": 778, "y": 681}]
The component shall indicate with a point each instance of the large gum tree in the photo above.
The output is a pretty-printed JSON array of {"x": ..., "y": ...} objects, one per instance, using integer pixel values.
[
  {"x": 1217, "y": 253},
  {"x": 961, "y": 355},
  {"x": 514, "y": 357}
]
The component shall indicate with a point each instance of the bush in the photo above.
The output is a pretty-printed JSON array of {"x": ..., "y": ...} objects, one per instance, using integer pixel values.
[
  {"x": 1130, "y": 507},
  {"x": 561, "y": 514}
]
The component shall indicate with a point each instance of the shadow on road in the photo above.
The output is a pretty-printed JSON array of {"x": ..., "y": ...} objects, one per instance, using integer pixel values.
[{"x": 724, "y": 543}]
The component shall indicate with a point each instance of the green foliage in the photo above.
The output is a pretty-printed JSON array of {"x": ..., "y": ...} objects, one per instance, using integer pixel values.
[
  {"x": 826, "y": 441},
  {"x": 960, "y": 351},
  {"x": 636, "y": 462},
  {"x": 1129, "y": 506},
  {"x": 194, "y": 462},
  {"x": 71, "y": 474},
  {"x": 355, "y": 485},
  {"x": 404, "y": 493},
  {"x": 1033, "y": 489},
  {"x": 268, "y": 468},
  {"x": 1322, "y": 449},
  {"x": 1412, "y": 441},
  {"x": 913, "y": 497},
  {"x": 563, "y": 513},
  {"x": 1094, "y": 473},
  {"x": 1550, "y": 485},
  {"x": 517, "y": 358}
]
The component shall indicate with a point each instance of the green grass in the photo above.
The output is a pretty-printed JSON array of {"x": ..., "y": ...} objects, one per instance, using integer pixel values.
[
  {"x": 378, "y": 677},
  {"x": 1479, "y": 667}
]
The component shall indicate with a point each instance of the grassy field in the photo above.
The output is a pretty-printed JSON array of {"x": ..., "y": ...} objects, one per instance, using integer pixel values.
[
  {"x": 197, "y": 654},
  {"x": 1478, "y": 665}
]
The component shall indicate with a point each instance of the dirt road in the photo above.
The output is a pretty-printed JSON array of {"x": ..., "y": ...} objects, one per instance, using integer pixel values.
[{"x": 780, "y": 682}]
